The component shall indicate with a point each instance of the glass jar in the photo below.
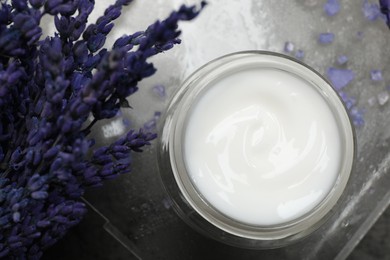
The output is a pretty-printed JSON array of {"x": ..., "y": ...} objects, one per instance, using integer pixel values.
[{"x": 192, "y": 206}]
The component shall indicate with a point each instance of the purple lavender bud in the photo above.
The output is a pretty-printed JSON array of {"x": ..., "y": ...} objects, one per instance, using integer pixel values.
[
  {"x": 342, "y": 59},
  {"x": 5, "y": 13},
  {"x": 3, "y": 182},
  {"x": 107, "y": 171},
  {"x": 299, "y": 54},
  {"x": 4, "y": 220},
  {"x": 39, "y": 195},
  {"x": 15, "y": 76},
  {"x": 78, "y": 167},
  {"x": 16, "y": 217},
  {"x": 119, "y": 156},
  {"x": 37, "y": 3},
  {"x": 65, "y": 8},
  {"x": 94, "y": 181},
  {"x": 35, "y": 139},
  {"x": 78, "y": 80},
  {"x": 90, "y": 100},
  {"x": 326, "y": 38},
  {"x": 15, "y": 245},
  {"x": 79, "y": 209},
  {"x": 37, "y": 158},
  {"x": 103, "y": 159},
  {"x": 63, "y": 174},
  {"x": 73, "y": 190},
  {"x": 64, "y": 123},
  {"x": 19, "y": 5},
  {"x": 52, "y": 152},
  {"x": 23, "y": 203},
  {"x": 79, "y": 108},
  {"x": 120, "y": 148},
  {"x": 370, "y": 11},
  {"x": 15, "y": 196},
  {"x": 34, "y": 235},
  {"x": 111, "y": 13},
  {"x": 4, "y": 252},
  {"x": 13, "y": 239},
  {"x": 340, "y": 77},
  {"x": 60, "y": 219},
  {"x": 62, "y": 25},
  {"x": 29, "y": 156},
  {"x": 100, "y": 151},
  {"x": 36, "y": 182},
  {"x": 66, "y": 157},
  {"x": 57, "y": 164},
  {"x": 16, "y": 155},
  {"x": 160, "y": 91},
  {"x": 348, "y": 101},
  {"x": 90, "y": 172},
  {"x": 105, "y": 28},
  {"x": 151, "y": 124},
  {"x": 95, "y": 42},
  {"x": 332, "y": 7},
  {"x": 357, "y": 116},
  {"x": 15, "y": 207},
  {"x": 43, "y": 223},
  {"x": 122, "y": 41},
  {"x": 66, "y": 210},
  {"x": 376, "y": 75},
  {"x": 46, "y": 239},
  {"x": 120, "y": 169}
]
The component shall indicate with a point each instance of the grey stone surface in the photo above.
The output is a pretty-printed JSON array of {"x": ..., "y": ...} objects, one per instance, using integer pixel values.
[
  {"x": 89, "y": 241},
  {"x": 376, "y": 244}
]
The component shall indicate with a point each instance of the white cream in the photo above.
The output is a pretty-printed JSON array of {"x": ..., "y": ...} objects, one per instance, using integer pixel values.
[{"x": 262, "y": 147}]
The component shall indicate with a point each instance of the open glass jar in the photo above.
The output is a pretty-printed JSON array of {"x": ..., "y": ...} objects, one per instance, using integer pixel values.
[{"x": 295, "y": 180}]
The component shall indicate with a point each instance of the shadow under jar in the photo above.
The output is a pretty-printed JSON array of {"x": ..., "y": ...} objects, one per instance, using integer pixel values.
[{"x": 255, "y": 150}]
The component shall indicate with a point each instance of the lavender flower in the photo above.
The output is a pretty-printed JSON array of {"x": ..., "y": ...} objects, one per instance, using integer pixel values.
[
  {"x": 288, "y": 47},
  {"x": 370, "y": 10},
  {"x": 332, "y": 7},
  {"x": 342, "y": 59},
  {"x": 300, "y": 54},
  {"x": 326, "y": 38},
  {"x": 47, "y": 93},
  {"x": 340, "y": 77},
  {"x": 160, "y": 91},
  {"x": 376, "y": 75}
]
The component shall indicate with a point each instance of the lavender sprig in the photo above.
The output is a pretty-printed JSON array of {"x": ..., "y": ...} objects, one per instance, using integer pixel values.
[{"x": 48, "y": 90}]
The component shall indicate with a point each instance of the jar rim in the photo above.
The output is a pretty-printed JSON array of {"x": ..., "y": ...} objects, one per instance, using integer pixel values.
[{"x": 171, "y": 158}]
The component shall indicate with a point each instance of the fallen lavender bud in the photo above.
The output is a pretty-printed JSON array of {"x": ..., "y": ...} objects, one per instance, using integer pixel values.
[
  {"x": 332, "y": 7},
  {"x": 340, "y": 77},
  {"x": 370, "y": 11},
  {"x": 288, "y": 47},
  {"x": 299, "y": 54},
  {"x": 342, "y": 59},
  {"x": 326, "y": 38},
  {"x": 160, "y": 91},
  {"x": 376, "y": 75}
]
